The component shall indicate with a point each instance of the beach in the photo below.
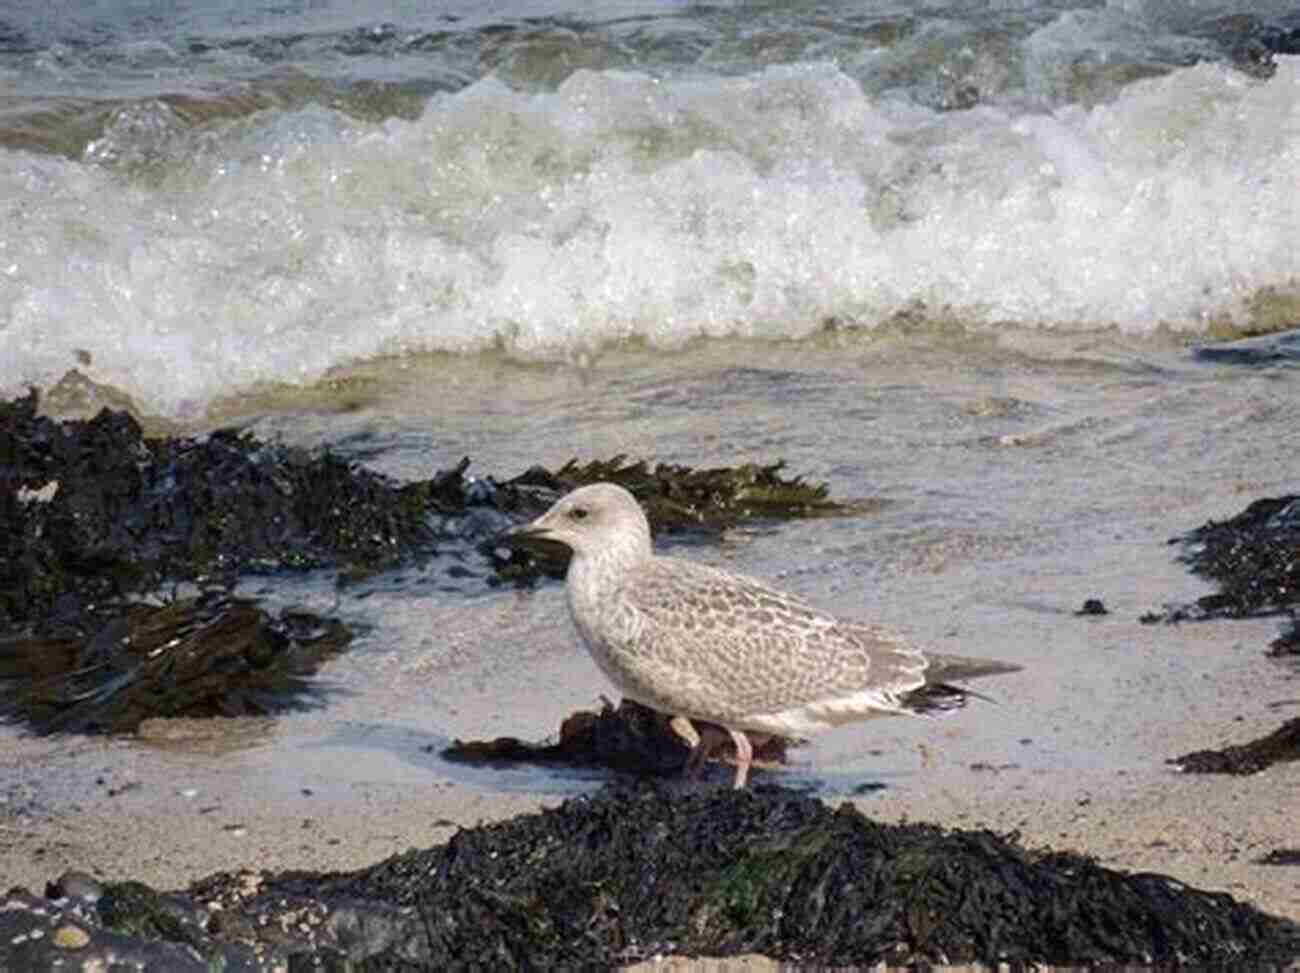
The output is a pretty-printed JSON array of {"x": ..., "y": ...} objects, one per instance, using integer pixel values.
[
  {"x": 1071, "y": 753},
  {"x": 955, "y": 264}
]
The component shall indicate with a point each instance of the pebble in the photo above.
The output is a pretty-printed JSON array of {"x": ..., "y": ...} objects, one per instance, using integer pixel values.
[{"x": 70, "y": 937}]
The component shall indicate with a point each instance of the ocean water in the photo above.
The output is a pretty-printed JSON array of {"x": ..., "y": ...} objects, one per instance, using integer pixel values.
[
  {"x": 197, "y": 200},
  {"x": 952, "y": 256}
]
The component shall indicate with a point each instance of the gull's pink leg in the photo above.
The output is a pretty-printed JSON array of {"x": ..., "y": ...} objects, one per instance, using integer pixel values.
[
  {"x": 744, "y": 755},
  {"x": 704, "y": 742}
]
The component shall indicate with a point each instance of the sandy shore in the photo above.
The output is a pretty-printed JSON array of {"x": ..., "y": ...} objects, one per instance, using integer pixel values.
[
  {"x": 201, "y": 797},
  {"x": 1207, "y": 832},
  {"x": 1072, "y": 756}
]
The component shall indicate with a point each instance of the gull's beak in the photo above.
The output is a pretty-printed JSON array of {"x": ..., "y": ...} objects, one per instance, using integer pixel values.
[
  {"x": 525, "y": 535},
  {"x": 536, "y": 538}
]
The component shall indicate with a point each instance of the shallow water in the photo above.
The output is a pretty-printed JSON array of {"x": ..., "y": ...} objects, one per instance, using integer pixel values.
[{"x": 1017, "y": 482}]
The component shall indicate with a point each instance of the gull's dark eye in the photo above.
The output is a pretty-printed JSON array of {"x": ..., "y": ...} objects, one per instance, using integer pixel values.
[{"x": 578, "y": 513}]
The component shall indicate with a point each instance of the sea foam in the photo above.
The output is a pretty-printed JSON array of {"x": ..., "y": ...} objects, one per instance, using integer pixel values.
[{"x": 187, "y": 263}]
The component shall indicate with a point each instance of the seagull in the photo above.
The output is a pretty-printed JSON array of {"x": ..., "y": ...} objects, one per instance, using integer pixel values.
[{"x": 722, "y": 650}]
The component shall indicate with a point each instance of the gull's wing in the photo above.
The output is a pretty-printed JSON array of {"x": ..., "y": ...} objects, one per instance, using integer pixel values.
[{"x": 737, "y": 647}]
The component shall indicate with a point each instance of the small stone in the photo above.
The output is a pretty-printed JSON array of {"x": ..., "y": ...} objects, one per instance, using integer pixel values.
[
  {"x": 71, "y": 937},
  {"x": 74, "y": 885},
  {"x": 1093, "y": 606},
  {"x": 249, "y": 882}
]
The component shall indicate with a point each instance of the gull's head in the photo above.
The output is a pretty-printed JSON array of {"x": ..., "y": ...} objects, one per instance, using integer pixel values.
[{"x": 593, "y": 521}]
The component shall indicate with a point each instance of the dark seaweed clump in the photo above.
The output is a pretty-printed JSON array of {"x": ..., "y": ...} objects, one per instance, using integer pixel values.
[
  {"x": 678, "y": 500},
  {"x": 1283, "y": 744},
  {"x": 98, "y": 522},
  {"x": 211, "y": 655},
  {"x": 92, "y": 511},
  {"x": 628, "y": 737},
  {"x": 641, "y": 870},
  {"x": 636, "y": 739},
  {"x": 1254, "y": 557}
]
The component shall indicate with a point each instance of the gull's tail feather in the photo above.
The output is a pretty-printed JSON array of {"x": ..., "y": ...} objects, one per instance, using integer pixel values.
[
  {"x": 938, "y": 695},
  {"x": 946, "y": 668}
]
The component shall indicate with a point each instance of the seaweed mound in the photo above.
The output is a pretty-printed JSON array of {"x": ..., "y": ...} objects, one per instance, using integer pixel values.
[
  {"x": 93, "y": 511},
  {"x": 96, "y": 520},
  {"x": 644, "y": 870},
  {"x": 681, "y": 498},
  {"x": 1254, "y": 557},
  {"x": 637, "y": 739}
]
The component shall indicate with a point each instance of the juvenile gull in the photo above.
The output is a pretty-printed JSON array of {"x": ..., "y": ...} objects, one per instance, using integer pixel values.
[{"x": 701, "y": 644}]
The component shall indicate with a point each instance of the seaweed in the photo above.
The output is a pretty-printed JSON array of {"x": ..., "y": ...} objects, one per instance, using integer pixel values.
[
  {"x": 93, "y": 511},
  {"x": 678, "y": 500},
  {"x": 1254, "y": 557},
  {"x": 1283, "y": 744},
  {"x": 631, "y": 738},
  {"x": 635, "y": 739},
  {"x": 210, "y": 655},
  {"x": 643, "y": 870},
  {"x": 1280, "y": 856}
]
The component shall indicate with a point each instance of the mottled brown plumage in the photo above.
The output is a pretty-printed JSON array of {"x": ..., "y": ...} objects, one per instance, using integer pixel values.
[{"x": 706, "y": 645}]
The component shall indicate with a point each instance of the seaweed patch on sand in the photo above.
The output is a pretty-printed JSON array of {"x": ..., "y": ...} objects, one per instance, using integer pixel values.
[
  {"x": 1255, "y": 559},
  {"x": 93, "y": 511},
  {"x": 646, "y": 870},
  {"x": 1283, "y": 744},
  {"x": 99, "y": 525}
]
